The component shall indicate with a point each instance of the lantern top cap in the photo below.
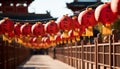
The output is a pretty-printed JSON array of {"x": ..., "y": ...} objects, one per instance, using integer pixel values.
[
  {"x": 74, "y": 17},
  {"x": 39, "y": 22},
  {"x": 17, "y": 22},
  {"x": 88, "y": 8},
  {"x": 107, "y": 2},
  {"x": 27, "y": 23},
  {"x": 6, "y": 18},
  {"x": 52, "y": 21}
]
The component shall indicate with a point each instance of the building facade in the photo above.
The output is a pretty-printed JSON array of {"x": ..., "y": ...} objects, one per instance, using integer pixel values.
[
  {"x": 14, "y": 6},
  {"x": 79, "y": 5},
  {"x": 18, "y": 10}
]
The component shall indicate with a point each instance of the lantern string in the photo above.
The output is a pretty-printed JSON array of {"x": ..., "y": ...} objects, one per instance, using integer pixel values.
[{"x": 47, "y": 19}]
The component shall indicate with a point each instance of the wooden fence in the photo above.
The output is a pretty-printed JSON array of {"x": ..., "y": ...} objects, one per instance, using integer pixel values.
[
  {"x": 12, "y": 54},
  {"x": 90, "y": 56}
]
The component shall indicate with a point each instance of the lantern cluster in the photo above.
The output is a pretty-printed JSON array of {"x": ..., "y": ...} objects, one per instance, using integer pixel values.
[{"x": 64, "y": 30}]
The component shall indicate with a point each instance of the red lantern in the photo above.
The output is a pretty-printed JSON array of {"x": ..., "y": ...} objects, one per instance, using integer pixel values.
[
  {"x": 17, "y": 29},
  {"x": 87, "y": 17},
  {"x": 1, "y": 22},
  {"x": 38, "y": 29},
  {"x": 7, "y": 25},
  {"x": 26, "y": 29},
  {"x": 115, "y": 6},
  {"x": 75, "y": 24},
  {"x": 71, "y": 36},
  {"x": 47, "y": 40},
  {"x": 44, "y": 44},
  {"x": 104, "y": 14},
  {"x": 65, "y": 22},
  {"x": 11, "y": 34},
  {"x": 51, "y": 27},
  {"x": 82, "y": 30},
  {"x": 33, "y": 41},
  {"x": 58, "y": 39}
]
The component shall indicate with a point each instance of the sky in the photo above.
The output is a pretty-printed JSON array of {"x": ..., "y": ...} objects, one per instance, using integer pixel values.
[{"x": 57, "y": 8}]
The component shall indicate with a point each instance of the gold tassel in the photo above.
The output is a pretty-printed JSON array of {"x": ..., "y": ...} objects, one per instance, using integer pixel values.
[
  {"x": 73, "y": 40},
  {"x": 106, "y": 30},
  {"x": 89, "y": 31},
  {"x": 78, "y": 38},
  {"x": 65, "y": 34}
]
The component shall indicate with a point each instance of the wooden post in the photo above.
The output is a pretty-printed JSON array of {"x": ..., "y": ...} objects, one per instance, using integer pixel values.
[
  {"x": 116, "y": 35},
  {"x": 99, "y": 38},
  {"x": 2, "y": 53},
  {"x": 82, "y": 55},
  {"x": 113, "y": 46},
  {"x": 96, "y": 52},
  {"x": 110, "y": 40},
  {"x": 6, "y": 54}
]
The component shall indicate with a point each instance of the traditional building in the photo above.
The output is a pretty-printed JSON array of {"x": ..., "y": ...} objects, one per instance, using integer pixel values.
[
  {"x": 79, "y": 5},
  {"x": 18, "y": 10}
]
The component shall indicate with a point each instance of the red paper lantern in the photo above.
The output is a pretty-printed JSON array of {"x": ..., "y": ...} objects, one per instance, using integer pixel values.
[
  {"x": 82, "y": 30},
  {"x": 51, "y": 27},
  {"x": 71, "y": 34},
  {"x": 57, "y": 38},
  {"x": 104, "y": 14},
  {"x": 44, "y": 44},
  {"x": 115, "y": 6},
  {"x": 38, "y": 29},
  {"x": 1, "y": 22},
  {"x": 65, "y": 22},
  {"x": 87, "y": 17},
  {"x": 11, "y": 34},
  {"x": 33, "y": 41},
  {"x": 75, "y": 24},
  {"x": 7, "y": 25},
  {"x": 17, "y": 27},
  {"x": 47, "y": 40},
  {"x": 26, "y": 29}
]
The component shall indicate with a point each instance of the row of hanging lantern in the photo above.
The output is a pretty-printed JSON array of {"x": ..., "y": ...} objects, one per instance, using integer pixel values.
[{"x": 65, "y": 30}]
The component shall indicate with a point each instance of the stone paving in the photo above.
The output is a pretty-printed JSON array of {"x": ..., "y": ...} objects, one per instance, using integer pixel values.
[{"x": 44, "y": 62}]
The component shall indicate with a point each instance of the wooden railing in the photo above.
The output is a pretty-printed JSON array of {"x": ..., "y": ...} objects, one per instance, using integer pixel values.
[
  {"x": 92, "y": 56},
  {"x": 12, "y": 54}
]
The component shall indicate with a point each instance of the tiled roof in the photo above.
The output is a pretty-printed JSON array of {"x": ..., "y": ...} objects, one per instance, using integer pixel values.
[
  {"x": 83, "y": 4},
  {"x": 27, "y": 16}
]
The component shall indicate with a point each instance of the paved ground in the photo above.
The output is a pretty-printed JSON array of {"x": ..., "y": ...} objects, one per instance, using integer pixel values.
[{"x": 44, "y": 62}]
